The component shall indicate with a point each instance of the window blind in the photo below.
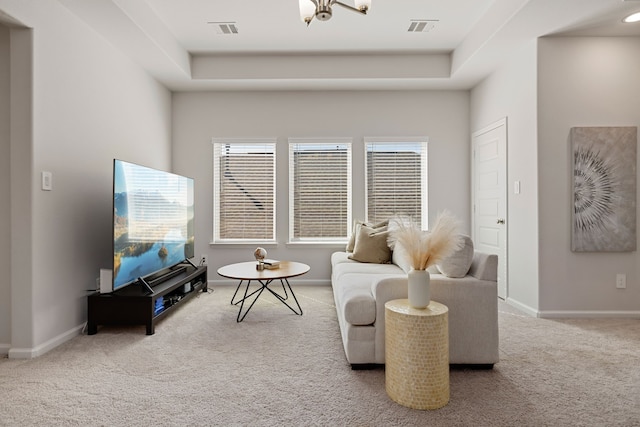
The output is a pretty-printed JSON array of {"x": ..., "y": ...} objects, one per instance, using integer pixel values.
[
  {"x": 396, "y": 179},
  {"x": 244, "y": 190},
  {"x": 319, "y": 189}
]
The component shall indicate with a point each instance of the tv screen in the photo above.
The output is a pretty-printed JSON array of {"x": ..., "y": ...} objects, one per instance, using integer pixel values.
[{"x": 152, "y": 221}]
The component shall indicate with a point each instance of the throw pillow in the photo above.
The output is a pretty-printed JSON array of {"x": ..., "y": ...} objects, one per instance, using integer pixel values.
[
  {"x": 371, "y": 246},
  {"x": 395, "y": 224},
  {"x": 400, "y": 257},
  {"x": 381, "y": 226},
  {"x": 458, "y": 264}
]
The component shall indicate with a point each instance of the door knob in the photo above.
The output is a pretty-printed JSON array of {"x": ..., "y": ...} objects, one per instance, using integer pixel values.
[{"x": 500, "y": 221}]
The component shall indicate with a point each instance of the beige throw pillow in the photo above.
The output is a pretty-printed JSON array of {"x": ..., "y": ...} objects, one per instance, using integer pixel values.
[
  {"x": 381, "y": 226},
  {"x": 371, "y": 246}
]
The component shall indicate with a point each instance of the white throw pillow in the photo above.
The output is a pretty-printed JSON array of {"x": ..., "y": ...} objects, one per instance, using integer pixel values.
[
  {"x": 400, "y": 257},
  {"x": 458, "y": 264}
]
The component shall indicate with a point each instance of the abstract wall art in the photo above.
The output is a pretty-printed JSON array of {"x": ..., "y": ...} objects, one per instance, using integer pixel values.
[{"x": 604, "y": 189}]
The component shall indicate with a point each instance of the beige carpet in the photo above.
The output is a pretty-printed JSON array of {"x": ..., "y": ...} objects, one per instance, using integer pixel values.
[{"x": 279, "y": 369}]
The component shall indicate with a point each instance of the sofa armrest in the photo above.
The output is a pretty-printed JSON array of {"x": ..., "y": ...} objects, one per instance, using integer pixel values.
[
  {"x": 388, "y": 288},
  {"x": 484, "y": 266}
]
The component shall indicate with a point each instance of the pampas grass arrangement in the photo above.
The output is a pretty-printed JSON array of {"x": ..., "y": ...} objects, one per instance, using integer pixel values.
[{"x": 427, "y": 248}]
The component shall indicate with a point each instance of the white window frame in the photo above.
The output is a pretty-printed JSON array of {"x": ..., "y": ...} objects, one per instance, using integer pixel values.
[
  {"x": 349, "y": 186},
  {"x": 424, "y": 141},
  {"x": 216, "y": 188}
]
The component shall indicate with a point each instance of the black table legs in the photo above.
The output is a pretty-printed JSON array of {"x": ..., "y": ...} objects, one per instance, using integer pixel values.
[{"x": 264, "y": 284}]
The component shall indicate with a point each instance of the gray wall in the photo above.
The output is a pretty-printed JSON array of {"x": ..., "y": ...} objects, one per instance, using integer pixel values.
[
  {"x": 5, "y": 212},
  {"x": 587, "y": 81},
  {"x": 551, "y": 85},
  {"x": 511, "y": 92},
  {"x": 90, "y": 104},
  {"x": 441, "y": 115}
]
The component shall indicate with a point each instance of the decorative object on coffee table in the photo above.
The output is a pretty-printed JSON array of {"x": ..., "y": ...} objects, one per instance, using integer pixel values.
[
  {"x": 260, "y": 254},
  {"x": 424, "y": 249},
  {"x": 417, "y": 354}
]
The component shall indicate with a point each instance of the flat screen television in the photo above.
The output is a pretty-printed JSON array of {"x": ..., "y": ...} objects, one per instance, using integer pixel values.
[{"x": 153, "y": 229}]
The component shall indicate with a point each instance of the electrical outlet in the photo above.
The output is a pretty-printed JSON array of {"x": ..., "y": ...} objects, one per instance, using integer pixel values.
[
  {"x": 203, "y": 259},
  {"x": 621, "y": 281}
]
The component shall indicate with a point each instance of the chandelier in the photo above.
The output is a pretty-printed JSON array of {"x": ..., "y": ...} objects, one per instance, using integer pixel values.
[{"x": 321, "y": 9}]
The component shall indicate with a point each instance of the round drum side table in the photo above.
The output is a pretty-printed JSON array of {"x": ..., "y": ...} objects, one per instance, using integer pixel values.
[{"x": 417, "y": 354}]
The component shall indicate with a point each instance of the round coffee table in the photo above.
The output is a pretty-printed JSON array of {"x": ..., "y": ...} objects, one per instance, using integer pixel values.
[{"x": 247, "y": 272}]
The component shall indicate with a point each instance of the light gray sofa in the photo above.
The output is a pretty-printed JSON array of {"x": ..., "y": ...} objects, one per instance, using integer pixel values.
[{"x": 361, "y": 289}]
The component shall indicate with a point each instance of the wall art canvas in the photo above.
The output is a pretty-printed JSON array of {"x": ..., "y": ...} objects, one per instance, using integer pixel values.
[{"x": 604, "y": 189}]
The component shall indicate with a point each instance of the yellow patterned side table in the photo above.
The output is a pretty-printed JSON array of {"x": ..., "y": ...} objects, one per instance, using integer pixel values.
[{"x": 417, "y": 354}]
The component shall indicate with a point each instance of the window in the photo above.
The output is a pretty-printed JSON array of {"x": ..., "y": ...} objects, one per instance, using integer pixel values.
[
  {"x": 244, "y": 190},
  {"x": 319, "y": 189},
  {"x": 396, "y": 178}
]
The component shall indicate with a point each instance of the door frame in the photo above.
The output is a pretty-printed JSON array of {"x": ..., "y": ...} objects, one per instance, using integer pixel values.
[{"x": 503, "y": 261}]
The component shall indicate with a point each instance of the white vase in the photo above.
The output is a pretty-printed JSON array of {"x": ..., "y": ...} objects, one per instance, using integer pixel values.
[{"x": 419, "y": 288}]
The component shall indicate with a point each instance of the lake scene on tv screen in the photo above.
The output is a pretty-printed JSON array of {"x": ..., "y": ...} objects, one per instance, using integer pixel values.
[{"x": 153, "y": 221}]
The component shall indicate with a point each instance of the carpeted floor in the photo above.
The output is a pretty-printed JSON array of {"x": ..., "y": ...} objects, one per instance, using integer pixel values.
[{"x": 202, "y": 368}]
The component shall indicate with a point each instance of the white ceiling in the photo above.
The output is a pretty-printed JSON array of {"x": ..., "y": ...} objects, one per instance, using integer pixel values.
[
  {"x": 179, "y": 41},
  {"x": 268, "y": 26}
]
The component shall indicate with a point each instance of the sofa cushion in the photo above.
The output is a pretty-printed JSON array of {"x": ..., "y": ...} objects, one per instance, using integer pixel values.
[
  {"x": 340, "y": 257},
  {"x": 458, "y": 264},
  {"x": 363, "y": 268},
  {"x": 342, "y": 265},
  {"x": 371, "y": 246},
  {"x": 354, "y": 295}
]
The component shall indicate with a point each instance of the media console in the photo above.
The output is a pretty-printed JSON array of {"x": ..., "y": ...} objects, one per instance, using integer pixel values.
[{"x": 134, "y": 305}]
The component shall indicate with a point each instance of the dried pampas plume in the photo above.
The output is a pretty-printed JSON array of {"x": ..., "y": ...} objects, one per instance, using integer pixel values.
[{"x": 427, "y": 248}]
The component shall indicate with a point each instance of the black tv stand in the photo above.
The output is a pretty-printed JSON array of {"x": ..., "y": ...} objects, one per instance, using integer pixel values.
[
  {"x": 134, "y": 305},
  {"x": 145, "y": 286}
]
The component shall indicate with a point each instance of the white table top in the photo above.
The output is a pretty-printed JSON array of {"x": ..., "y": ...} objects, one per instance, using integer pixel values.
[{"x": 248, "y": 271}]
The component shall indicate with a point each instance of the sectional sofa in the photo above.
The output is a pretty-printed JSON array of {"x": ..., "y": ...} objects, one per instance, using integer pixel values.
[{"x": 361, "y": 289}]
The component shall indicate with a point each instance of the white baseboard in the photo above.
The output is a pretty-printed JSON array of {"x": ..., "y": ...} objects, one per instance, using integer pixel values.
[
  {"x": 522, "y": 307},
  {"x": 4, "y": 349},
  {"x": 30, "y": 353},
  {"x": 592, "y": 314},
  {"x": 573, "y": 314}
]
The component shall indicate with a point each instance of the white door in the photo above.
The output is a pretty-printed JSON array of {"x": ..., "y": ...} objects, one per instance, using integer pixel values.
[{"x": 490, "y": 196}]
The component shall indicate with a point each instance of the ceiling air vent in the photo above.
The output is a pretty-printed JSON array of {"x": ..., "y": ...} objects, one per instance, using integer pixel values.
[
  {"x": 225, "y": 27},
  {"x": 421, "y": 25}
]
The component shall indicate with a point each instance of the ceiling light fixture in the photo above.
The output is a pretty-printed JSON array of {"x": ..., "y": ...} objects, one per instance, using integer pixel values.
[
  {"x": 632, "y": 18},
  {"x": 321, "y": 9}
]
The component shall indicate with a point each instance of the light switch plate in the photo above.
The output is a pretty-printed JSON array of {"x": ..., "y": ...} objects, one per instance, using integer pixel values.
[{"x": 47, "y": 181}]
